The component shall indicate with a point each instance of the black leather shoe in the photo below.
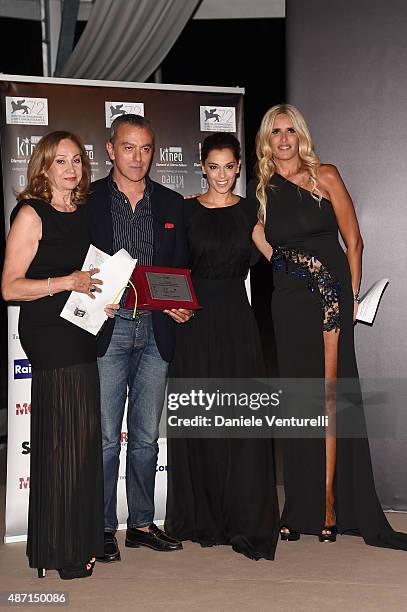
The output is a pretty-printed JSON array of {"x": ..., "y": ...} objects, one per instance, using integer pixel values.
[
  {"x": 153, "y": 538},
  {"x": 111, "y": 550}
]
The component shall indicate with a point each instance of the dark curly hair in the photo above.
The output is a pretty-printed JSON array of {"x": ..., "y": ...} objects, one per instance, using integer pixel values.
[{"x": 220, "y": 140}]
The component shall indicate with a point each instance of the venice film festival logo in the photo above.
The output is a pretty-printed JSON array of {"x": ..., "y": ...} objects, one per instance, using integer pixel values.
[
  {"x": 116, "y": 109},
  {"x": 217, "y": 118},
  {"x": 172, "y": 167},
  {"x": 26, "y": 111}
]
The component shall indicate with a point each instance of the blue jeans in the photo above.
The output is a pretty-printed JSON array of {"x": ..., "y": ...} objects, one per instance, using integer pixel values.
[{"x": 132, "y": 365}]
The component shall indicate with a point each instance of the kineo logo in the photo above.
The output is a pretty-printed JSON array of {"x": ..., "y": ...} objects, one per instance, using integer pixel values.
[
  {"x": 26, "y": 146},
  {"x": 171, "y": 154}
]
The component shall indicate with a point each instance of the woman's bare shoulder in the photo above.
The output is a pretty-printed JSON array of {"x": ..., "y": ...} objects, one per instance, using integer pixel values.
[
  {"x": 24, "y": 215},
  {"x": 328, "y": 172}
]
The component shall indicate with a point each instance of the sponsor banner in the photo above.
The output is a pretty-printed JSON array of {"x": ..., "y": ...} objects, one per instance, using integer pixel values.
[
  {"x": 115, "y": 109},
  {"x": 22, "y": 369},
  {"x": 23, "y": 408},
  {"x": 218, "y": 118},
  {"x": 18, "y": 456},
  {"x": 28, "y": 110}
]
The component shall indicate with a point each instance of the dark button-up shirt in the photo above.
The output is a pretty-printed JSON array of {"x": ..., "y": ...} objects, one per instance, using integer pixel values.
[{"x": 133, "y": 230}]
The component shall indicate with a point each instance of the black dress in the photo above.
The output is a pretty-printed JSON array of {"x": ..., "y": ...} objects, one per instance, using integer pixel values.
[
  {"x": 65, "y": 520},
  {"x": 221, "y": 491},
  {"x": 313, "y": 293}
]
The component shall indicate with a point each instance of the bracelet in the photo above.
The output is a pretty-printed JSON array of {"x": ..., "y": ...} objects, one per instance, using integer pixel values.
[
  {"x": 49, "y": 286},
  {"x": 356, "y": 297}
]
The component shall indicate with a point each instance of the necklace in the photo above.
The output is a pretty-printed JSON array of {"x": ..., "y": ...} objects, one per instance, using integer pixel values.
[{"x": 64, "y": 207}]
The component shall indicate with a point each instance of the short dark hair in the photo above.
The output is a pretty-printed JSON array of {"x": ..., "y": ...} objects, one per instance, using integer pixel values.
[
  {"x": 220, "y": 140},
  {"x": 130, "y": 119}
]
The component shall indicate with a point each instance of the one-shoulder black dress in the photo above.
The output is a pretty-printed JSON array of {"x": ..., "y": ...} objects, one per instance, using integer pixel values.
[
  {"x": 65, "y": 521},
  {"x": 221, "y": 491},
  {"x": 312, "y": 293}
]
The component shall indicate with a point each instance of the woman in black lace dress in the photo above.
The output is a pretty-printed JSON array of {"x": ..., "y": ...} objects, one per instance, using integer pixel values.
[
  {"x": 46, "y": 246},
  {"x": 329, "y": 484},
  {"x": 221, "y": 491}
]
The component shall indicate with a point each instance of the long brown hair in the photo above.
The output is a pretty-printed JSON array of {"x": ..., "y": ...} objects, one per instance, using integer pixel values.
[{"x": 41, "y": 160}]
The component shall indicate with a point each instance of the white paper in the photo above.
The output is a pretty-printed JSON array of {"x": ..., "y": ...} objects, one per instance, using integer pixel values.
[
  {"x": 369, "y": 303},
  {"x": 115, "y": 271}
]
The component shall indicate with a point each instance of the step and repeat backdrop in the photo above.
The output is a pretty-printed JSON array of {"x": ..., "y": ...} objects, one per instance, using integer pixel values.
[{"x": 30, "y": 107}]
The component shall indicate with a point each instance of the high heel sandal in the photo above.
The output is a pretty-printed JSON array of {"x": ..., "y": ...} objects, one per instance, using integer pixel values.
[
  {"x": 75, "y": 571},
  {"x": 41, "y": 572},
  {"x": 328, "y": 537},
  {"x": 290, "y": 535}
]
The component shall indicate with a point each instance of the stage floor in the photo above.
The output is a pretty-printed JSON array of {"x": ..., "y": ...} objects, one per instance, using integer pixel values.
[{"x": 306, "y": 576}]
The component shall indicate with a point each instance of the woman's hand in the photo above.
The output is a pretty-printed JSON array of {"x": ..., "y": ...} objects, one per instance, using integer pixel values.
[
  {"x": 110, "y": 310},
  {"x": 259, "y": 239},
  {"x": 83, "y": 282}
]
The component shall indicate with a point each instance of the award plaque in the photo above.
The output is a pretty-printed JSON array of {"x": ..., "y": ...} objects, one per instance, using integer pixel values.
[{"x": 161, "y": 289}]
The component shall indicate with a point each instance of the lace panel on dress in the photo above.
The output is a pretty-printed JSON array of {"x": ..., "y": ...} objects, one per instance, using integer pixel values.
[{"x": 294, "y": 261}]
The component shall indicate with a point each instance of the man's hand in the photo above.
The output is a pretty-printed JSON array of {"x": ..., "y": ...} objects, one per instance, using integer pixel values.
[
  {"x": 180, "y": 315},
  {"x": 110, "y": 310}
]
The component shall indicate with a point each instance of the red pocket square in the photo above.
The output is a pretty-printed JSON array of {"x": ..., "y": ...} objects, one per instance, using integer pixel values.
[{"x": 169, "y": 226}]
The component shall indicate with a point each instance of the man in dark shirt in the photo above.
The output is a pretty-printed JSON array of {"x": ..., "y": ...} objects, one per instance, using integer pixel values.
[{"x": 128, "y": 210}]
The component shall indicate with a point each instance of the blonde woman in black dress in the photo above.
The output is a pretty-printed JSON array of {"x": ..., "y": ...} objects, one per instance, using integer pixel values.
[
  {"x": 46, "y": 246},
  {"x": 304, "y": 204}
]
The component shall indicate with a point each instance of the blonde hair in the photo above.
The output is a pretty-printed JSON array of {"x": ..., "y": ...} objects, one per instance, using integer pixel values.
[
  {"x": 266, "y": 167},
  {"x": 41, "y": 160}
]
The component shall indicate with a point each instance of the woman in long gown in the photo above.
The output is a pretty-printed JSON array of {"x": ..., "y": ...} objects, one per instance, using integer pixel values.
[
  {"x": 221, "y": 491},
  {"x": 329, "y": 485},
  {"x": 46, "y": 246}
]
